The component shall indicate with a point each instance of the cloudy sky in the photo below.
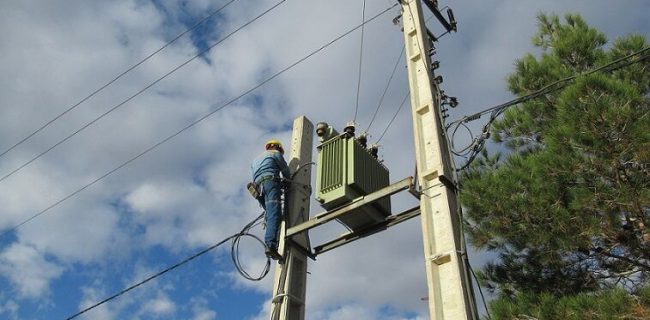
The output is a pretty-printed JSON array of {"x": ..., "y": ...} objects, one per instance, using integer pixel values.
[{"x": 87, "y": 243}]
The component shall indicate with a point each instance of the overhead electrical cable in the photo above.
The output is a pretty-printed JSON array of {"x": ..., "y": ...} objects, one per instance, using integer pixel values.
[
  {"x": 140, "y": 91},
  {"x": 480, "y": 290},
  {"x": 235, "y": 256},
  {"x": 170, "y": 42},
  {"x": 471, "y": 151},
  {"x": 394, "y": 116},
  {"x": 562, "y": 83},
  {"x": 381, "y": 99},
  {"x": 234, "y": 251},
  {"x": 363, "y": 17},
  {"x": 260, "y": 84},
  {"x": 461, "y": 218}
]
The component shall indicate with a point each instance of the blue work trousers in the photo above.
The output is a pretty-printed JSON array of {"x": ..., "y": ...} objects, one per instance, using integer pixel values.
[{"x": 269, "y": 199}]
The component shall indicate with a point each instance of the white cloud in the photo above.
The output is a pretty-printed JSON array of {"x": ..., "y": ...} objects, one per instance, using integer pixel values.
[
  {"x": 159, "y": 306},
  {"x": 189, "y": 193},
  {"x": 151, "y": 300},
  {"x": 10, "y": 309},
  {"x": 384, "y": 269},
  {"x": 149, "y": 197},
  {"x": 205, "y": 315},
  {"x": 90, "y": 296},
  {"x": 28, "y": 270},
  {"x": 200, "y": 311},
  {"x": 24, "y": 197},
  {"x": 348, "y": 312},
  {"x": 82, "y": 232}
]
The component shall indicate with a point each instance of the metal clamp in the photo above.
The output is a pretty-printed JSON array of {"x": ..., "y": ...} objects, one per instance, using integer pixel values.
[
  {"x": 441, "y": 259},
  {"x": 278, "y": 297}
]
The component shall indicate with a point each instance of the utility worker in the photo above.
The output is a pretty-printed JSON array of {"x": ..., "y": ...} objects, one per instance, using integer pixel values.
[{"x": 266, "y": 171}]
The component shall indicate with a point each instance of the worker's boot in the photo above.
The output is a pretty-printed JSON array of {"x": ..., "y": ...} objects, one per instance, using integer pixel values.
[{"x": 273, "y": 254}]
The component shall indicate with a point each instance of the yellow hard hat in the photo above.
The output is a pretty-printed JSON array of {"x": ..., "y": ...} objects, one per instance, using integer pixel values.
[{"x": 275, "y": 143}]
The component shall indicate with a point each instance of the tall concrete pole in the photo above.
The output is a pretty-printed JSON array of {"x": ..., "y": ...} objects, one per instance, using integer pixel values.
[
  {"x": 289, "y": 288},
  {"x": 450, "y": 291}
]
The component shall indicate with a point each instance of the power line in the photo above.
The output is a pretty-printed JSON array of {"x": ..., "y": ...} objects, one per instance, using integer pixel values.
[
  {"x": 140, "y": 92},
  {"x": 407, "y": 94},
  {"x": 234, "y": 253},
  {"x": 381, "y": 99},
  {"x": 471, "y": 151},
  {"x": 559, "y": 83},
  {"x": 480, "y": 290},
  {"x": 124, "y": 164},
  {"x": 47, "y": 124},
  {"x": 363, "y": 17},
  {"x": 394, "y": 116},
  {"x": 461, "y": 218}
]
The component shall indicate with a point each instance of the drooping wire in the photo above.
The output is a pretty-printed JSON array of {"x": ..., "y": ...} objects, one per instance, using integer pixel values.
[
  {"x": 480, "y": 290},
  {"x": 363, "y": 18},
  {"x": 381, "y": 99},
  {"x": 170, "y": 42},
  {"x": 202, "y": 52},
  {"x": 468, "y": 265},
  {"x": 462, "y": 152},
  {"x": 394, "y": 116},
  {"x": 472, "y": 151},
  {"x": 461, "y": 219},
  {"x": 235, "y": 256},
  {"x": 234, "y": 251},
  {"x": 260, "y": 84}
]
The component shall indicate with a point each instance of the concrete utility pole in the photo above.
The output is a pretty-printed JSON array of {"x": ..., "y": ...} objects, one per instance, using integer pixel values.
[
  {"x": 450, "y": 291},
  {"x": 291, "y": 276}
]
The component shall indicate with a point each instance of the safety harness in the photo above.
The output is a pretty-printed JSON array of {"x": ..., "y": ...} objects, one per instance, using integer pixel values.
[{"x": 254, "y": 187}]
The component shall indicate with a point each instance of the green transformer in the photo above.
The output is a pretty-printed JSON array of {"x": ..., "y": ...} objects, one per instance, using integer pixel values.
[{"x": 346, "y": 171}]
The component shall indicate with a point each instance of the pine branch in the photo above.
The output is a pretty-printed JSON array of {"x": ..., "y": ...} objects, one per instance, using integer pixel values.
[{"x": 626, "y": 259}]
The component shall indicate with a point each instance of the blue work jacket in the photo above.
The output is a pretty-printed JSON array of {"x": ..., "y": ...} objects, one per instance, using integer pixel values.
[{"x": 269, "y": 163}]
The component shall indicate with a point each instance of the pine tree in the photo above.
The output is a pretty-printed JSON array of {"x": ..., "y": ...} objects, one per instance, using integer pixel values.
[
  {"x": 566, "y": 204},
  {"x": 606, "y": 304}
]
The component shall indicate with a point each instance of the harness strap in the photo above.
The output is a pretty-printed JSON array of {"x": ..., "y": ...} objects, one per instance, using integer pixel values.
[{"x": 265, "y": 178}]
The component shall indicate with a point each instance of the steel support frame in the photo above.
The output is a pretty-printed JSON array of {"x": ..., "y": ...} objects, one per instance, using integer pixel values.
[
  {"x": 367, "y": 230},
  {"x": 405, "y": 184},
  {"x": 325, "y": 217}
]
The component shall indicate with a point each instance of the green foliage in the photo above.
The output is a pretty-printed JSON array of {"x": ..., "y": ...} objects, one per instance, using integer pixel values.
[
  {"x": 567, "y": 206},
  {"x": 606, "y": 304},
  {"x": 574, "y": 43}
]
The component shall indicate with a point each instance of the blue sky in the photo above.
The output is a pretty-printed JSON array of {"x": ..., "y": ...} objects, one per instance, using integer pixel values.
[{"x": 189, "y": 193}]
